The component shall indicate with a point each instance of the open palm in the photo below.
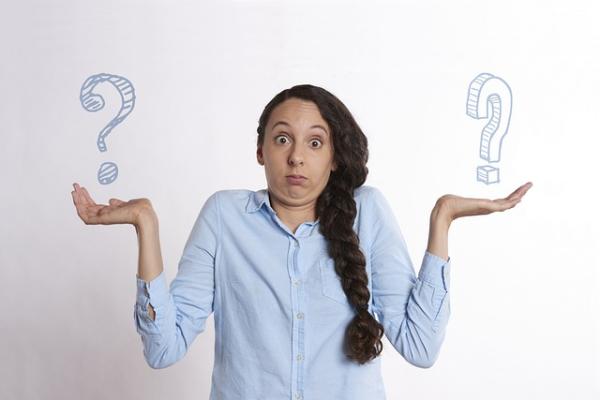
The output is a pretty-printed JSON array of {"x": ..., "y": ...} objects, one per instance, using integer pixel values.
[
  {"x": 457, "y": 206},
  {"x": 116, "y": 212}
]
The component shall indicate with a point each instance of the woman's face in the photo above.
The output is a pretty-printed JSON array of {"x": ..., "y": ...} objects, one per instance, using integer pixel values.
[{"x": 297, "y": 141}]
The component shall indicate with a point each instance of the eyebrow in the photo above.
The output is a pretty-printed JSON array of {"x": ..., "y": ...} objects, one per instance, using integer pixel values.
[{"x": 286, "y": 124}]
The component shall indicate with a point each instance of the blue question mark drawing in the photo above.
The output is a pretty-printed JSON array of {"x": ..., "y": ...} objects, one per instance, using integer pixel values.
[
  {"x": 108, "y": 171},
  {"x": 490, "y": 97}
]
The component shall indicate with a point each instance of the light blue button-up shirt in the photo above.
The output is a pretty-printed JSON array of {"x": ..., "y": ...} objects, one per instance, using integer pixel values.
[{"x": 280, "y": 311}]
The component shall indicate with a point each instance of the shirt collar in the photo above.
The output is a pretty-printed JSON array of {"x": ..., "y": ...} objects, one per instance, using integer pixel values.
[{"x": 259, "y": 198}]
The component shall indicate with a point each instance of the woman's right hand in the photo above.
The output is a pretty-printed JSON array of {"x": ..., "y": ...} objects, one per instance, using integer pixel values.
[{"x": 116, "y": 212}]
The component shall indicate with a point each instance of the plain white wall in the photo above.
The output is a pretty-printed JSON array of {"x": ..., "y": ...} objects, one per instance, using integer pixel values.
[{"x": 524, "y": 322}]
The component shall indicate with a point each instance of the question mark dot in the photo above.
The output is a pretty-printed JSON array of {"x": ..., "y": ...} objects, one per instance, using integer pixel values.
[{"x": 107, "y": 172}]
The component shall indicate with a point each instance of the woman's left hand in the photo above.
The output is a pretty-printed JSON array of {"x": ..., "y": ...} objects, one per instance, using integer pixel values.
[{"x": 454, "y": 207}]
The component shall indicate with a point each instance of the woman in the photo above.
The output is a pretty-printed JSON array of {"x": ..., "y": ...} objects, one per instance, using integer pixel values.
[{"x": 304, "y": 277}]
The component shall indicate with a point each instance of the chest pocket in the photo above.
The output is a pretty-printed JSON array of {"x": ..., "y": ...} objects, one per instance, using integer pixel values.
[{"x": 331, "y": 284}]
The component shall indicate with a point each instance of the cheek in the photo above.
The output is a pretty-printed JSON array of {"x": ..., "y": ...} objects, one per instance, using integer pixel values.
[{"x": 326, "y": 162}]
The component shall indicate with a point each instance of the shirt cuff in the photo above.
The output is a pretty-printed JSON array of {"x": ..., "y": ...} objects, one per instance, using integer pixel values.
[
  {"x": 435, "y": 271},
  {"x": 156, "y": 291}
]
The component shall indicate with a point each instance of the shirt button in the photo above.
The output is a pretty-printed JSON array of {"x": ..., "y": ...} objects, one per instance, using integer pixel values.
[
  {"x": 300, "y": 315},
  {"x": 296, "y": 282},
  {"x": 299, "y": 357}
]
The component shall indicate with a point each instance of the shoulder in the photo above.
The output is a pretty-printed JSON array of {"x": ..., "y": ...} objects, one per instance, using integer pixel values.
[
  {"x": 365, "y": 196},
  {"x": 372, "y": 203},
  {"x": 232, "y": 194},
  {"x": 366, "y": 193},
  {"x": 230, "y": 200}
]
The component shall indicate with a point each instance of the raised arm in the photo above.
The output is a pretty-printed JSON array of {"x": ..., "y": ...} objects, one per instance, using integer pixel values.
[
  {"x": 450, "y": 207},
  {"x": 150, "y": 262},
  {"x": 413, "y": 308},
  {"x": 169, "y": 317},
  {"x": 439, "y": 224}
]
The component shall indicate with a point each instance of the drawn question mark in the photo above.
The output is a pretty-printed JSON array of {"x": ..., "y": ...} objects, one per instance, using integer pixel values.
[
  {"x": 93, "y": 102},
  {"x": 490, "y": 97}
]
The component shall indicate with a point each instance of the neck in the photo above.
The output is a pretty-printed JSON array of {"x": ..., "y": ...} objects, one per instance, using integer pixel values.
[{"x": 294, "y": 215}]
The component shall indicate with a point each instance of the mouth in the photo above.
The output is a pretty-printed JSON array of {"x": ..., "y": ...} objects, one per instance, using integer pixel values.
[{"x": 296, "y": 176}]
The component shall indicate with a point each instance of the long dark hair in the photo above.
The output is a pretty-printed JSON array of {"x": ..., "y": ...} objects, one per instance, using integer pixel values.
[{"x": 336, "y": 210}]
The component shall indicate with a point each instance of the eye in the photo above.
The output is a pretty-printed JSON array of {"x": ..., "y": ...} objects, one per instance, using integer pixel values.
[{"x": 280, "y": 136}]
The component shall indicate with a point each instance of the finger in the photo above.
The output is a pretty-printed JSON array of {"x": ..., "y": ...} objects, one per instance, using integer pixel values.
[
  {"x": 81, "y": 200},
  {"x": 88, "y": 197},
  {"x": 77, "y": 200},
  {"x": 85, "y": 195},
  {"x": 503, "y": 204},
  {"x": 520, "y": 191},
  {"x": 526, "y": 187},
  {"x": 515, "y": 193}
]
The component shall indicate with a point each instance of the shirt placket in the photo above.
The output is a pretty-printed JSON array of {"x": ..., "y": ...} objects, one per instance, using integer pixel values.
[{"x": 298, "y": 350}]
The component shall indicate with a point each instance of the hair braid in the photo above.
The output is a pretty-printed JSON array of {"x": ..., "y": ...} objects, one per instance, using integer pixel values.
[{"x": 337, "y": 210}]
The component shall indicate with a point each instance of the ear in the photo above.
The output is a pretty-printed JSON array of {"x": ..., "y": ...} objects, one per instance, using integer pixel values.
[{"x": 259, "y": 155}]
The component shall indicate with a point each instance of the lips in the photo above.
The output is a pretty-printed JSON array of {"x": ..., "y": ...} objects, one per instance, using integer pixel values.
[{"x": 296, "y": 176}]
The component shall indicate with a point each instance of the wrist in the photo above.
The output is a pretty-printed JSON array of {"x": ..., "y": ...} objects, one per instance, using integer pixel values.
[
  {"x": 146, "y": 217},
  {"x": 440, "y": 215}
]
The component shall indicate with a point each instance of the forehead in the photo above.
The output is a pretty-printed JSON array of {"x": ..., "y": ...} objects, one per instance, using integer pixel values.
[{"x": 297, "y": 112}]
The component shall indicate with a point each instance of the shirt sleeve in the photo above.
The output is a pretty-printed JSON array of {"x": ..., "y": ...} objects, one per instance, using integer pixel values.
[
  {"x": 182, "y": 308},
  {"x": 414, "y": 311}
]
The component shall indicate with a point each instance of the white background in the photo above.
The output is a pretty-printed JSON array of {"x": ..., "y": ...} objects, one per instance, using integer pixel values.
[{"x": 525, "y": 313}]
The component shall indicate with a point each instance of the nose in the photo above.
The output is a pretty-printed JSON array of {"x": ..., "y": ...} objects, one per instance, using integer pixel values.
[{"x": 295, "y": 157}]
